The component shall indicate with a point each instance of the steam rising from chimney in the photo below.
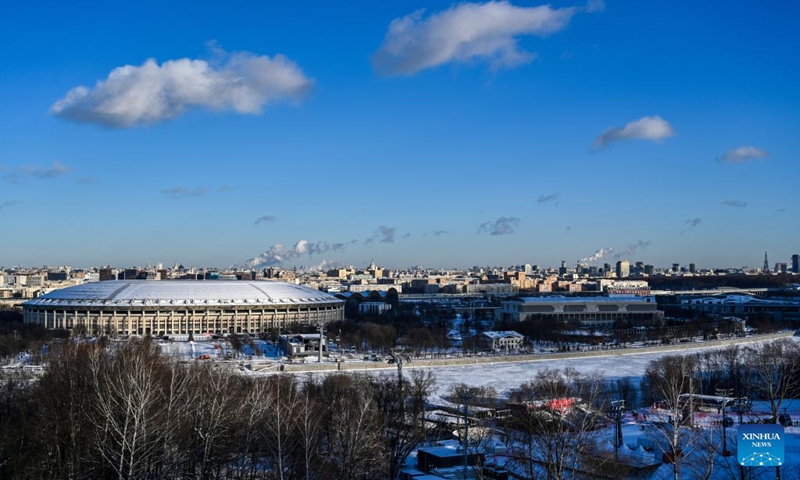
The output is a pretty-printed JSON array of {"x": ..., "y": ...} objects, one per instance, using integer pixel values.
[
  {"x": 598, "y": 255},
  {"x": 278, "y": 254}
]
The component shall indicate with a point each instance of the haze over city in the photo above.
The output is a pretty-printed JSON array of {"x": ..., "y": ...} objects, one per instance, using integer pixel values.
[{"x": 434, "y": 133}]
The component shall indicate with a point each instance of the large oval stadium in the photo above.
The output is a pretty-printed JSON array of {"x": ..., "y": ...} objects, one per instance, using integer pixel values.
[{"x": 141, "y": 307}]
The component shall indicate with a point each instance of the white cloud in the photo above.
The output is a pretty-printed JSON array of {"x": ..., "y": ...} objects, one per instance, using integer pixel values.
[
  {"x": 466, "y": 32},
  {"x": 743, "y": 154},
  {"x": 646, "y": 128},
  {"x": 153, "y": 93}
]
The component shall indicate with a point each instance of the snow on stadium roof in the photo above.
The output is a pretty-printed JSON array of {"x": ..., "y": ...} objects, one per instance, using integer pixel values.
[{"x": 182, "y": 292}]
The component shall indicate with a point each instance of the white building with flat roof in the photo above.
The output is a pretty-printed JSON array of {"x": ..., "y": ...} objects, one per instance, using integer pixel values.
[
  {"x": 502, "y": 340},
  {"x": 596, "y": 312}
]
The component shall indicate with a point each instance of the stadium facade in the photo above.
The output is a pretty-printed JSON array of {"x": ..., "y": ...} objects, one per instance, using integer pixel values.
[{"x": 140, "y": 307}]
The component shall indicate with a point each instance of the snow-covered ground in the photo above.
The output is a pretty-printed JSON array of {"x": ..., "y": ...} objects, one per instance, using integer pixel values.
[{"x": 504, "y": 377}]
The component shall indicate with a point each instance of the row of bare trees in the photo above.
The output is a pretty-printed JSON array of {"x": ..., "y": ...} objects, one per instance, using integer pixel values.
[
  {"x": 769, "y": 372},
  {"x": 125, "y": 411},
  {"x": 554, "y": 443},
  {"x": 128, "y": 412}
]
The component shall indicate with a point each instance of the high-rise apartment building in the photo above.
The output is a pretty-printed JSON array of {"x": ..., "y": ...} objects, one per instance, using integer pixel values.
[
  {"x": 623, "y": 269},
  {"x": 106, "y": 274}
]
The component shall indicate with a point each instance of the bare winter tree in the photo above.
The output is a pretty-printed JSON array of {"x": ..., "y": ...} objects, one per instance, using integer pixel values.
[
  {"x": 402, "y": 407},
  {"x": 17, "y": 416},
  {"x": 700, "y": 453},
  {"x": 773, "y": 369},
  {"x": 281, "y": 402},
  {"x": 733, "y": 364},
  {"x": 555, "y": 423},
  {"x": 623, "y": 389},
  {"x": 668, "y": 378},
  {"x": 175, "y": 395},
  {"x": 252, "y": 414},
  {"x": 308, "y": 426},
  {"x": 65, "y": 437},
  {"x": 211, "y": 413},
  {"x": 129, "y": 411},
  {"x": 355, "y": 447}
]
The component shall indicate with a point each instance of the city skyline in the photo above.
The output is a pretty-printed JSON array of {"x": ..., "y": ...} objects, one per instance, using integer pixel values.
[
  {"x": 463, "y": 134},
  {"x": 584, "y": 264}
]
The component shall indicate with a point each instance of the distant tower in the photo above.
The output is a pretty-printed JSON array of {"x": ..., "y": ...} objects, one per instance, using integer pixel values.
[{"x": 766, "y": 264}]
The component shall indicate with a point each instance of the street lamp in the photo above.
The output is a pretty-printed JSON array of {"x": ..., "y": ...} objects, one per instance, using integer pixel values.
[
  {"x": 617, "y": 406},
  {"x": 691, "y": 402},
  {"x": 466, "y": 396},
  {"x": 724, "y": 393},
  {"x": 741, "y": 406}
]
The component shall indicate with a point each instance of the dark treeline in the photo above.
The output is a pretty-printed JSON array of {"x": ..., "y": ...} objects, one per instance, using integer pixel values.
[
  {"x": 664, "y": 282},
  {"x": 422, "y": 327},
  {"x": 126, "y": 411},
  {"x": 16, "y": 336},
  {"x": 550, "y": 329}
]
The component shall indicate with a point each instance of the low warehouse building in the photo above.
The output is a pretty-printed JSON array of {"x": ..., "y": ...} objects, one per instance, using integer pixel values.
[{"x": 591, "y": 312}]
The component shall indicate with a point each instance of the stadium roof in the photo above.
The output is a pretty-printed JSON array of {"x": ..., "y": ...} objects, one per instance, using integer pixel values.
[{"x": 183, "y": 292}]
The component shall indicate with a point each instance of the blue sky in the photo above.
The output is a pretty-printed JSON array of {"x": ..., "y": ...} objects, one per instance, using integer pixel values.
[{"x": 434, "y": 133}]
